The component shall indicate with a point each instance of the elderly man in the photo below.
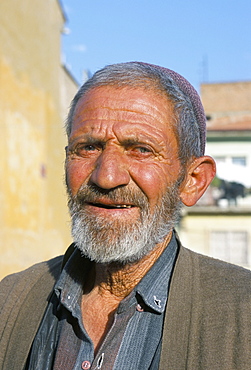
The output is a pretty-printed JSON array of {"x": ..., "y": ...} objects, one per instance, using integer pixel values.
[{"x": 127, "y": 295}]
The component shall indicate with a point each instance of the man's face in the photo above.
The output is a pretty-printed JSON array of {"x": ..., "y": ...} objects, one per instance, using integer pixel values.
[{"x": 122, "y": 166}]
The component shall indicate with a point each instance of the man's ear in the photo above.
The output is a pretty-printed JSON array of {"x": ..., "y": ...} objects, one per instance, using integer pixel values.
[{"x": 200, "y": 173}]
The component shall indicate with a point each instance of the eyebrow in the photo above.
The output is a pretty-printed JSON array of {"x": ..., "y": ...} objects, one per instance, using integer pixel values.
[
  {"x": 134, "y": 140},
  {"x": 131, "y": 141},
  {"x": 126, "y": 142},
  {"x": 87, "y": 138}
]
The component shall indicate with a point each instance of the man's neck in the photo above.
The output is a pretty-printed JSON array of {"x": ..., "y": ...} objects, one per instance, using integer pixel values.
[
  {"x": 112, "y": 283},
  {"x": 119, "y": 280}
]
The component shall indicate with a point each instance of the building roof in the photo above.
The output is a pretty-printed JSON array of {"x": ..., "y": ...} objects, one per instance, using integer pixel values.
[{"x": 242, "y": 123}]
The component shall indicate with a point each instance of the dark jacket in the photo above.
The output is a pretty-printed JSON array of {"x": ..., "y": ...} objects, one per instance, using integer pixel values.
[{"x": 207, "y": 324}]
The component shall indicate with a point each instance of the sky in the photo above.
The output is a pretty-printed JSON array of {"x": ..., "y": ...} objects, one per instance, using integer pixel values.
[{"x": 204, "y": 40}]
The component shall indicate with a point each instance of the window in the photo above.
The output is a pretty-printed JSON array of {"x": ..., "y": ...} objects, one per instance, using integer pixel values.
[
  {"x": 230, "y": 246},
  {"x": 241, "y": 161}
]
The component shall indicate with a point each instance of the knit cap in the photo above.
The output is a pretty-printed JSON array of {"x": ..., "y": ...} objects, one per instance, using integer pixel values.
[{"x": 190, "y": 92}]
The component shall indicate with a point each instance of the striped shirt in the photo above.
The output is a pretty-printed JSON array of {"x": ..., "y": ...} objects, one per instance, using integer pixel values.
[{"x": 133, "y": 341}]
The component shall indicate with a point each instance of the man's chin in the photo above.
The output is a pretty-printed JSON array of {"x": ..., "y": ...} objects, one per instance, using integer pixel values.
[
  {"x": 118, "y": 257},
  {"x": 122, "y": 241}
]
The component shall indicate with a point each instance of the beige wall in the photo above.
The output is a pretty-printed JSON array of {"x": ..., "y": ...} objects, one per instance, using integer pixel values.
[
  {"x": 35, "y": 92},
  {"x": 196, "y": 228}
]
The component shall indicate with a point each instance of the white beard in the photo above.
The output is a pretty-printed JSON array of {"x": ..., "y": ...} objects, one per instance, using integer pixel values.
[{"x": 105, "y": 241}]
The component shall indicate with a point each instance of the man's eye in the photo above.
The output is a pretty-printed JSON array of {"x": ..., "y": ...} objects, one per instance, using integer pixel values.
[
  {"x": 85, "y": 149},
  {"x": 88, "y": 147},
  {"x": 143, "y": 149}
]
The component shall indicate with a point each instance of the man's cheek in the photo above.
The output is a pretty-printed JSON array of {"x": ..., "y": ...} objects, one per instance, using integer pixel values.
[{"x": 76, "y": 175}]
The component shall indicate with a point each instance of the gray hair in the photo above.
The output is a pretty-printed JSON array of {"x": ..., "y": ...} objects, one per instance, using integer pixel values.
[{"x": 190, "y": 122}]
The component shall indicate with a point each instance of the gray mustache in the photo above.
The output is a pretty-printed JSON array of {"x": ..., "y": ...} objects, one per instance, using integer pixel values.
[{"x": 123, "y": 195}]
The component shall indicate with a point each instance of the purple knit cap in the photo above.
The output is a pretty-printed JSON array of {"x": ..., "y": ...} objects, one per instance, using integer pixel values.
[{"x": 190, "y": 92}]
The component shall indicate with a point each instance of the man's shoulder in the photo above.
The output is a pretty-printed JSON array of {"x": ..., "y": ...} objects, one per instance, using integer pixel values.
[
  {"x": 208, "y": 315},
  {"x": 216, "y": 275},
  {"x": 212, "y": 264},
  {"x": 37, "y": 269},
  {"x": 26, "y": 279},
  {"x": 23, "y": 300}
]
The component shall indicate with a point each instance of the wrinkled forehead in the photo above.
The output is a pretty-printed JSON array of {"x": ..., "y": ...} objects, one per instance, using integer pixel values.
[
  {"x": 133, "y": 104},
  {"x": 164, "y": 81}
]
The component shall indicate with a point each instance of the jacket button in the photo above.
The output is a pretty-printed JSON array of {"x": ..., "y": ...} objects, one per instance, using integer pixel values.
[
  {"x": 86, "y": 365},
  {"x": 139, "y": 308}
]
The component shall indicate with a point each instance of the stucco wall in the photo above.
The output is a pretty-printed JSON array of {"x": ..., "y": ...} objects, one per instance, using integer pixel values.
[{"x": 34, "y": 223}]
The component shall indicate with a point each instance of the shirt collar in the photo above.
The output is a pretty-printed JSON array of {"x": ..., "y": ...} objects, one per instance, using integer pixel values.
[
  {"x": 153, "y": 288},
  {"x": 69, "y": 287}
]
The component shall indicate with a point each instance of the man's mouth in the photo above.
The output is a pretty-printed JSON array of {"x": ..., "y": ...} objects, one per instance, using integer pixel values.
[{"x": 112, "y": 206}]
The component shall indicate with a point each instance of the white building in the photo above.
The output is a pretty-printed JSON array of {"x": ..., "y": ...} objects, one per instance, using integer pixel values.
[{"x": 220, "y": 225}]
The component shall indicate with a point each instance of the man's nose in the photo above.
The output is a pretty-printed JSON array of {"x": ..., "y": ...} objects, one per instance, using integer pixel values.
[{"x": 111, "y": 170}]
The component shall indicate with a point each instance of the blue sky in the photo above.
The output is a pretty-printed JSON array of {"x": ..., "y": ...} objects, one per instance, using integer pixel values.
[{"x": 205, "y": 41}]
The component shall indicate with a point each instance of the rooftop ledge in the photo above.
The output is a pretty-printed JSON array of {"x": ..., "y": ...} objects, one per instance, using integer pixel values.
[{"x": 214, "y": 210}]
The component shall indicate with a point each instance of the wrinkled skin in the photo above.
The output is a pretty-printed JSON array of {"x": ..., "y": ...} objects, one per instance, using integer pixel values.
[{"x": 123, "y": 138}]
